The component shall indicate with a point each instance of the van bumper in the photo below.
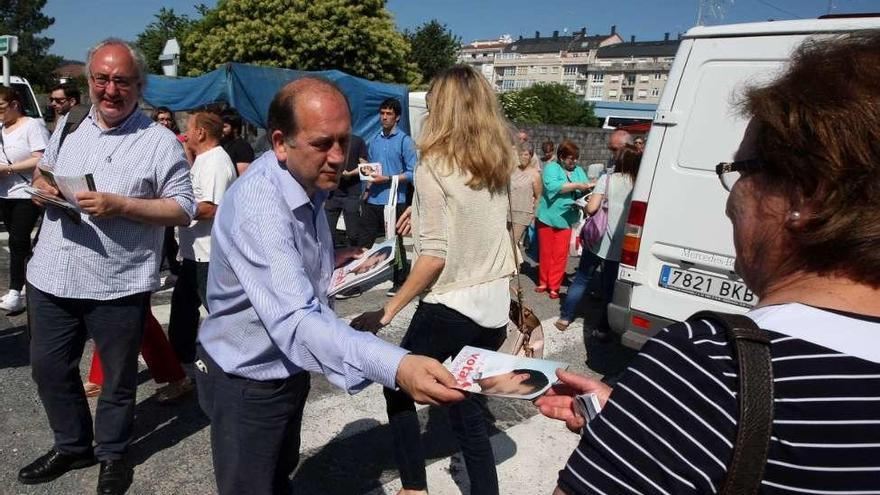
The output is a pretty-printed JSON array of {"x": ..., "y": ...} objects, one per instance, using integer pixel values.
[{"x": 621, "y": 315}]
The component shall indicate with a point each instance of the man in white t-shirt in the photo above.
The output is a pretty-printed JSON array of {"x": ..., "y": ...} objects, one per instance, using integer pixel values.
[{"x": 212, "y": 173}]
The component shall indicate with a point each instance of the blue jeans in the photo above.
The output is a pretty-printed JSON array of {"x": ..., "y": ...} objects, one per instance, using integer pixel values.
[
  {"x": 440, "y": 332},
  {"x": 586, "y": 268}
]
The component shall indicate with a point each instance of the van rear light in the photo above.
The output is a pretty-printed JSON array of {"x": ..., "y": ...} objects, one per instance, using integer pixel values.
[
  {"x": 632, "y": 233},
  {"x": 640, "y": 322}
]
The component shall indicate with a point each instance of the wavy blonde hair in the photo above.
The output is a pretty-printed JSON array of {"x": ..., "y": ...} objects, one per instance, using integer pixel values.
[{"x": 466, "y": 130}]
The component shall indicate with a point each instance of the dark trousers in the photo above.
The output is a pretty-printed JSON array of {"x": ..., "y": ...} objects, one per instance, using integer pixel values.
[
  {"x": 170, "y": 250},
  {"x": 19, "y": 216},
  {"x": 183, "y": 323},
  {"x": 440, "y": 332},
  {"x": 373, "y": 222},
  {"x": 352, "y": 236},
  {"x": 255, "y": 428},
  {"x": 59, "y": 329}
]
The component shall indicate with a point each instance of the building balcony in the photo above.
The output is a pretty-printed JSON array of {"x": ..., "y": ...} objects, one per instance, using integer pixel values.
[{"x": 631, "y": 67}]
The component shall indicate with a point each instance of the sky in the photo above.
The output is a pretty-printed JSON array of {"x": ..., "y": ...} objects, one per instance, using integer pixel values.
[{"x": 81, "y": 23}]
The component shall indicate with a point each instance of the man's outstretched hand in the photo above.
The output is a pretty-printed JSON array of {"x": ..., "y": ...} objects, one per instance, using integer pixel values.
[{"x": 427, "y": 381}]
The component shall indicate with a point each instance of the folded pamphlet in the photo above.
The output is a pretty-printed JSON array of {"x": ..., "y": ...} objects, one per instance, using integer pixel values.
[
  {"x": 371, "y": 265},
  {"x": 69, "y": 185},
  {"x": 502, "y": 375}
]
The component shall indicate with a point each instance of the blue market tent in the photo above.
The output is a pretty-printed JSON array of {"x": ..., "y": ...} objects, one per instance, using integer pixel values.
[{"x": 249, "y": 89}]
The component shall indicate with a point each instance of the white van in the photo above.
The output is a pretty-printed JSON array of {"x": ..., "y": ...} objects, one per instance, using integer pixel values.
[
  {"x": 678, "y": 252},
  {"x": 31, "y": 108},
  {"x": 418, "y": 110}
]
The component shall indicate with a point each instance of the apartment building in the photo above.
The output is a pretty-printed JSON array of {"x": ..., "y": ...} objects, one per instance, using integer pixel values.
[
  {"x": 480, "y": 55},
  {"x": 635, "y": 71},
  {"x": 550, "y": 59}
]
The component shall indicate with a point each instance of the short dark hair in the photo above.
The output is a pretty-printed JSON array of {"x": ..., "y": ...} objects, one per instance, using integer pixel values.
[
  {"x": 566, "y": 149},
  {"x": 70, "y": 91},
  {"x": 232, "y": 117},
  {"x": 392, "y": 104},
  {"x": 163, "y": 109},
  {"x": 547, "y": 146},
  {"x": 537, "y": 380},
  {"x": 282, "y": 110}
]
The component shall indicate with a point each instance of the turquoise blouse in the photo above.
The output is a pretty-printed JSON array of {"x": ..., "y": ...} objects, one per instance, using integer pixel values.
[{"x": 557, "y": 209}]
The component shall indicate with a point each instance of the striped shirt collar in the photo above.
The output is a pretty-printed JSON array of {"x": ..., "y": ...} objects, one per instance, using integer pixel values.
[
  {"x": 126, "y": 124},
  {"x": 292, "y": 192}
]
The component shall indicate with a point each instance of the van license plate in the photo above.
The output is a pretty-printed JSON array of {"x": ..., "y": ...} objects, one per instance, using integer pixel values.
[{"x": 708, "y": 286}]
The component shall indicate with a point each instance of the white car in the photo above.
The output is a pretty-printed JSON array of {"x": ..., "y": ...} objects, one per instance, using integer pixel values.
[
  {"x": 678, "y": 255},
  {"x": 31, "y": 108}
]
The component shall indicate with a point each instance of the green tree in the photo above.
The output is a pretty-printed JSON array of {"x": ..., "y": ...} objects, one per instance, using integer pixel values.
[
  {"x": 167, "y": 25},
  {"x": 434, "y": 48},
  {"x": 25, "y": 19},
  {"x": 552, "y": 103},
  {"x": 355, "y": 36}
]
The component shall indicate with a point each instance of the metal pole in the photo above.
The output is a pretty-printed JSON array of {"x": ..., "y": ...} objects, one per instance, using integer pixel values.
[
  {"x": 700, "y": 12},
  {"x": 6, "y": 70}
]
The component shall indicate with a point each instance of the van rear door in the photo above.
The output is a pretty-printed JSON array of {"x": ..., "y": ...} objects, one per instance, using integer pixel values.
[{"x": 686, "y": 257}]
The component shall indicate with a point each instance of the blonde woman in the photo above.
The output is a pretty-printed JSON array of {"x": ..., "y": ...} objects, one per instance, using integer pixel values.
[{"x": 463, "y": 262}]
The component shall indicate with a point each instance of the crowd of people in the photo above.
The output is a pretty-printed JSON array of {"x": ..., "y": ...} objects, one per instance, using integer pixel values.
[{"x": 805, "y": 237}]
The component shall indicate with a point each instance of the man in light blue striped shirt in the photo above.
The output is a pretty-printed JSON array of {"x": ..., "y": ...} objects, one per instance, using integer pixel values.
[
  {"x": 93, "y": 277},
  {"x": 270, "y": 320}
]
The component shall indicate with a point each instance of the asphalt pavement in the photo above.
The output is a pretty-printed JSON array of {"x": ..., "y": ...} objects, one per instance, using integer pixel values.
[{"x": 346, "y": 443}]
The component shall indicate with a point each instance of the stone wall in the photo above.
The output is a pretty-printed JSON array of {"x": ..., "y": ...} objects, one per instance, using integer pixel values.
[{"x": 591, "y": 141}]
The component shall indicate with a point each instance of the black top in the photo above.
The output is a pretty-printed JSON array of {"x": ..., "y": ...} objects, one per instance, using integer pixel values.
[
  {"x": 349, "y": 187},
  {"x": 239, "y": 151}
]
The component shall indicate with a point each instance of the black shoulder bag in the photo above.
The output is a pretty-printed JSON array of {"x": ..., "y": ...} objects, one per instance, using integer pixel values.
[{"x": 751, "y": 350}]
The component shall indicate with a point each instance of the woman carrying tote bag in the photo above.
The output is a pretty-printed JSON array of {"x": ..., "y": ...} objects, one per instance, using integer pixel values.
[{"x": 606, "y": 251}]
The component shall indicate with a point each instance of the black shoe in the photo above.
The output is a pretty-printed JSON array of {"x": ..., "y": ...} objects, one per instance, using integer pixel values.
[
  {"x": 393, "y": 290},
  {"x": 52, "y": 465},
  {"x": 115, "y": 477}
]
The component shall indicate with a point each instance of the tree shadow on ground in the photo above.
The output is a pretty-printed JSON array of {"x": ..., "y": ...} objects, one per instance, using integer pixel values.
[{"x": 363, "y": 461}]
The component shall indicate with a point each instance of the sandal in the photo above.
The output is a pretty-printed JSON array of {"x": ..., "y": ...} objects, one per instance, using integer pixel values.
[
  {"x": 561, "y": 324},
  {"x": 541, "y": 288},
  {"x": 92, "y": 389},
  {"x": 554, "y": 294}
]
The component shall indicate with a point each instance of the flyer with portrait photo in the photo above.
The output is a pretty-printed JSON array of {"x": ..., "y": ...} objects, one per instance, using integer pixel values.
[
  {"x": 368, "y": 170},
  {"x": 502, "y": 375},
  {"x": 372, "y": 264}
]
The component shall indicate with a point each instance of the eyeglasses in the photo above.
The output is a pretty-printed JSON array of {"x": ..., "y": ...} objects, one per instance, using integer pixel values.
[
  {"x": 730, "y": 172},
  {"x": 103, "y": 80},
  {"x": 57, "y": 100}
]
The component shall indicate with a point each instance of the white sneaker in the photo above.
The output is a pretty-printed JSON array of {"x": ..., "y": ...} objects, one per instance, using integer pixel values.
[{"x": 13, "y": 301}]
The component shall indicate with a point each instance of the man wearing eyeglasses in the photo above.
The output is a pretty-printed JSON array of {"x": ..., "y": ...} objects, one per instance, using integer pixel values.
[
  {"x": 91, "y": 275},
  {"x": 62, "y": 98}
]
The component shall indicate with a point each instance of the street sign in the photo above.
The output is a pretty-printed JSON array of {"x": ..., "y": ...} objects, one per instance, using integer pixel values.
[{"x": 8, "y": 45}]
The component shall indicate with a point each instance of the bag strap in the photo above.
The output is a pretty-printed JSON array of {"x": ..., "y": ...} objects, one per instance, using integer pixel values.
[
  {"x": 516, "y": 260},
  {"x": 74, "y": 118},
  {"x": 751, "y": 350}
]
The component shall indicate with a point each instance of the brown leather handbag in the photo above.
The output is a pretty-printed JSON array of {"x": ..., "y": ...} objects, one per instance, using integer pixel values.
[{"x": 525, "y": 336}]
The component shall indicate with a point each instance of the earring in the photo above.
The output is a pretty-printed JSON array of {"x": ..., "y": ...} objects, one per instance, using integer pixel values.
[{"x": 794, "y": 216}]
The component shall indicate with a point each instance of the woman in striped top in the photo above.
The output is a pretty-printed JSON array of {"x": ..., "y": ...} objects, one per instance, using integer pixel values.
[{"x": 805, "y": 211}]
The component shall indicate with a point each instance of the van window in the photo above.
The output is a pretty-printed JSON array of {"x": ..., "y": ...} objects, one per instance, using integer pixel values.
[
  {"x": 715, "y": 127},
  {"x": 30, "y": 106}
]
